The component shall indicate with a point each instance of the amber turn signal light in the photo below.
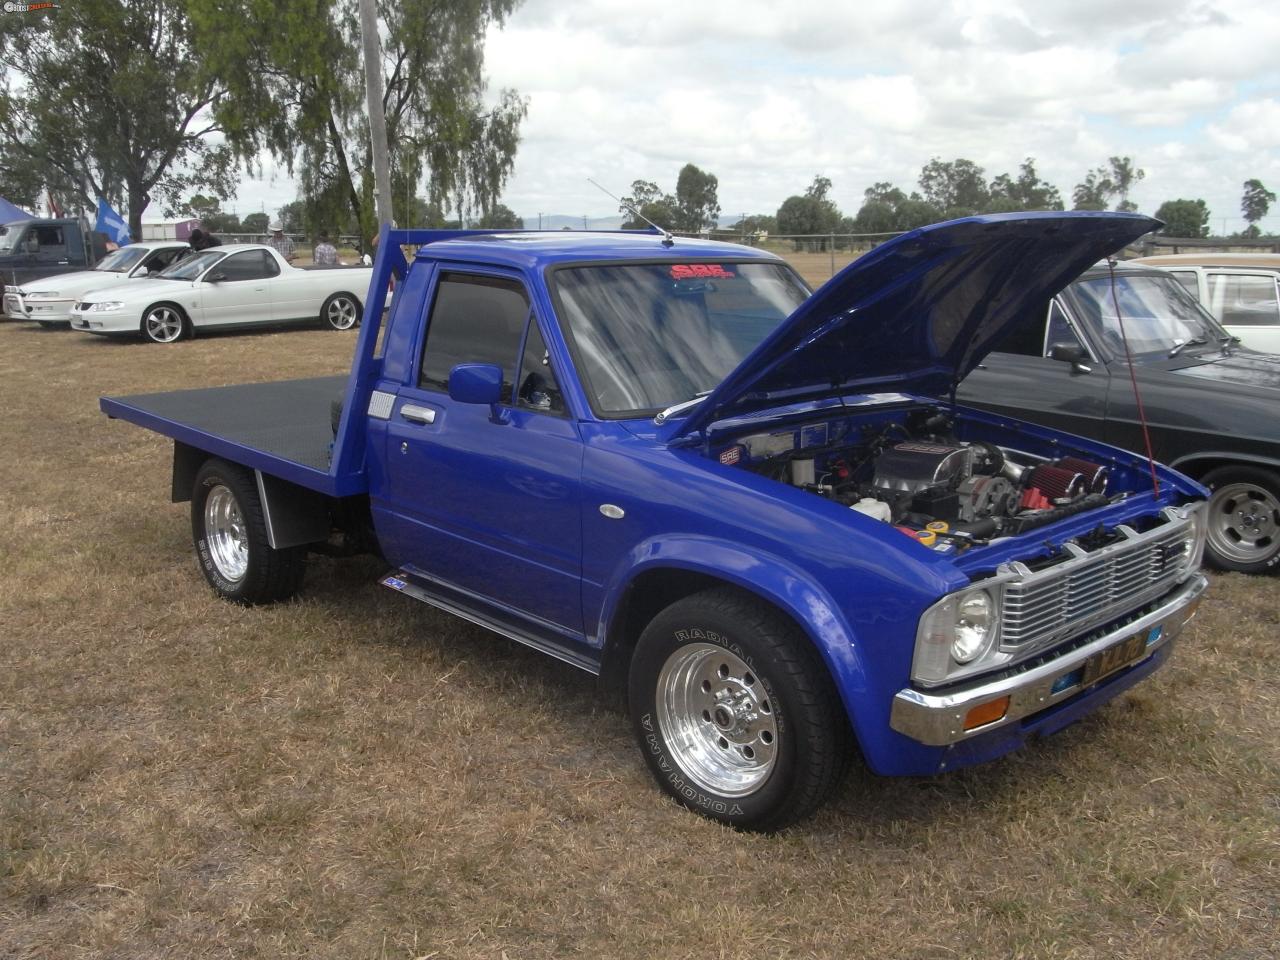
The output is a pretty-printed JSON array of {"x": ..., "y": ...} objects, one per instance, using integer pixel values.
[{"x": 986, "y": 713}]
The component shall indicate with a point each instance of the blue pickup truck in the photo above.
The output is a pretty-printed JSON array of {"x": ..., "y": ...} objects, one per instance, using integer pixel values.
[{"x": 756, "y": 513}]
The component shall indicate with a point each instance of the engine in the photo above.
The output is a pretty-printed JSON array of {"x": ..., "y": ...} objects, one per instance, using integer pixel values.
[{"x": 947, "y": 493}]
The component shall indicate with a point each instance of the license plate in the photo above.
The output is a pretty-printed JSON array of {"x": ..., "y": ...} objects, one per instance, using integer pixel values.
[{"x": 1113, "y": 658}]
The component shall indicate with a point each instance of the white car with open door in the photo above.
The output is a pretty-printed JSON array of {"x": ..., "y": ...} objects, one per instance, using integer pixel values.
[
  {"x": 238, "y": 285},
  {"x": 49, "y": 300}
]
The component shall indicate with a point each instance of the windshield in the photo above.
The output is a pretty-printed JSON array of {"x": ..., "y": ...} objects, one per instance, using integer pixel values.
[
  {"x": 649, "y": 336},
  {"x": 8, "y": 236},
  {"x": 1159, "y": 315},
  {"x": 192, "y": 266},
  {"x": 122, "y": 260}
]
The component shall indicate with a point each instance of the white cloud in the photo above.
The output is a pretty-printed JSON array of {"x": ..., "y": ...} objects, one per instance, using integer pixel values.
[{"x": 765, "y": 95}]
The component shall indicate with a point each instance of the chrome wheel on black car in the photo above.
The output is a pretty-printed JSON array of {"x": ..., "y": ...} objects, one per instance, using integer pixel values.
[{"x": 1244, "y": 519}]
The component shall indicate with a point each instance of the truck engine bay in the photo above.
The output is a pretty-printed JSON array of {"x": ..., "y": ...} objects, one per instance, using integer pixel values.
[{"x": 915, "y": 473}]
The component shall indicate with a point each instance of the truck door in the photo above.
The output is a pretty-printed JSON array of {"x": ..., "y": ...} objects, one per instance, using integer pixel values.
[
  {"x": 1021, "y": 380},
  {"x": 238, "y": 289},
  {"x": 486, "y": 504}
]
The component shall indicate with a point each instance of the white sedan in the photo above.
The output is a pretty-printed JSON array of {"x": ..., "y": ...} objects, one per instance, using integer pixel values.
[
  {"x": 49, "y": 300},
  {"x": 242, "y": 284}
]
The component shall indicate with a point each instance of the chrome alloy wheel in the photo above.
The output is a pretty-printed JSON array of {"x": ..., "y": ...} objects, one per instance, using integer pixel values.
[
  {"x": 342, "y": 313},
  {"x": 225, "y": 532},
  {"x": 164, "y": 324},
  {"x": 717, "y": 719},
  {"x": 1244, "y": 522}
]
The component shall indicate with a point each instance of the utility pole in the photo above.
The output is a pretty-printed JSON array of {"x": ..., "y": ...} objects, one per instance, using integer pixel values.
[{"x": 377, "y": 121}]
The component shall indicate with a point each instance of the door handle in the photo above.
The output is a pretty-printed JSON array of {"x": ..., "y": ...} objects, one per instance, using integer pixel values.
[
  {"x": 416, "y": 414},
  {"x": 64, "y": 263}
]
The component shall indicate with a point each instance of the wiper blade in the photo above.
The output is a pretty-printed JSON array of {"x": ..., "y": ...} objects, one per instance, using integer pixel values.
[
  {"x": 1193, "y": 342},
  {"x": 680, "y": 407}
]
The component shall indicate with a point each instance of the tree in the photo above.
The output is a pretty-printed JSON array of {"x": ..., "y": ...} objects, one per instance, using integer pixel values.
[
  {"x": 500, "y": 217},
  {"x": 111, "y": 100},
  {"x": 1254, "y": 204},
  {"x": 652, "y": 204},
  {"x": 1123, "y": 176},
  {"x": 1028, "y": 192},
  {"x": 696, "y": 202},
  {"x": 255, "y": 223},
  {"x": 292, "y": 217},
  {"x": 1184, "y": 218},
  {"x": 1092, "y": 192},
  {"x": 811, "y": 213},
  {"x": 295, "y": 90},
  {"x": 957, "y": 188},
  {"x": 1101, "y": 184},
  {"x": 208, "y": 210}
]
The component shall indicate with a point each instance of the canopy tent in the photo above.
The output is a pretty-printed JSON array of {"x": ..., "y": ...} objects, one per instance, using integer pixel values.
[{"x": 10, "y": 213}]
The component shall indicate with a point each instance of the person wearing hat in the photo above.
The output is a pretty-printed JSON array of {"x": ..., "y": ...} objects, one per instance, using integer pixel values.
[{"x": 283, "y": 245}]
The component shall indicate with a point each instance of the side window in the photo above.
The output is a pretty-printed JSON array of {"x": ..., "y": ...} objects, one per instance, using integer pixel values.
[
  {"x": 1246, "y": 300},
  {"x": 474, "y": 319},
  {"x": 1026, "y": 339},
  {"x": 1188, "y": 280},
  {"x": 1059, "y": 330},
  {"x": 161, "y": 259},
  {"x": 250, "y": 265},
  {"x": 539, "y": 389},
  {"x": 53, "y": 245}
]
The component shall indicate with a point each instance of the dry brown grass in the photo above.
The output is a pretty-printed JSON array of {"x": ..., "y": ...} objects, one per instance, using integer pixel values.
[{"x": 354, "y": 775}]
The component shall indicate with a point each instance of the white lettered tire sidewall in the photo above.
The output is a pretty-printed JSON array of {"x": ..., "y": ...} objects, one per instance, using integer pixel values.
[{"x": 797, "y": 782}]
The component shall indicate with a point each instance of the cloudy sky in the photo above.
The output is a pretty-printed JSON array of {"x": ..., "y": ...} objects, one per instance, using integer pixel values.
[{"x": 766, "y": 94}]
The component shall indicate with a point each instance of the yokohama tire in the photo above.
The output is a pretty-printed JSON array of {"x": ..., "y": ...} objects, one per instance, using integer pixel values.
[
  {"x": 735, "y": 713},
  {"x": 1244, "y": 519},
  {"x": 231, "y": 542}
]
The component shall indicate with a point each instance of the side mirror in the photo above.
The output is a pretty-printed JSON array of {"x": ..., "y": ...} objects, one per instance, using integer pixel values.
[
  {"x": 478, "y": 383},
  {"x": 1072, "y": 353}
]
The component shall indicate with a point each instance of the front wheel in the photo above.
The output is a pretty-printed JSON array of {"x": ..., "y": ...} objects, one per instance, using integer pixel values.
[
  {"x": 164, "y": 323},
  {"x": 1244, "y": 519},
  {"x": 230, "y": 535},
  {"x": 341, "y": 311},
  {"x": 736, "y": 715}
]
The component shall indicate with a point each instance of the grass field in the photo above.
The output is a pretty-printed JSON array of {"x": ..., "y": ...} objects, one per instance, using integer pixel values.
[{"x": 352, "y": 775}]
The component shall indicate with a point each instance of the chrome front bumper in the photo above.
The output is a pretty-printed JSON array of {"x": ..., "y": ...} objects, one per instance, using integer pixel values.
[
  {"x": 17, "y": 307},
  {"x": 14, "y": 308},
  {"x": 937, "y": 719}
]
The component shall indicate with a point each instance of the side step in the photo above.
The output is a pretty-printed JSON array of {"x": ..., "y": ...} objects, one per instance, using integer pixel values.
[{"x": 478, "y": 612}]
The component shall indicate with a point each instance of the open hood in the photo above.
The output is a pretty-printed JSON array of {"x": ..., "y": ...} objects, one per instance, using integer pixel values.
[{"x": 917, "y": 314}]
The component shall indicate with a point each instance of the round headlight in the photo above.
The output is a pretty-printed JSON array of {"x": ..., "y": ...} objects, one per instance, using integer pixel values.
[{"x": 975, "y": 623}]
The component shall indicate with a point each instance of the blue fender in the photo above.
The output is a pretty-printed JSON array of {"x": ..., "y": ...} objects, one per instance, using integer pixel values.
[{"x": 770, "y": 577}]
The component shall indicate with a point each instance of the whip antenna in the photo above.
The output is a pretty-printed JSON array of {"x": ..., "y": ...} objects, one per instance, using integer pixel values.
[
  {"x": 1133, "y": 379},
  {"x": 668, "y": 238}
]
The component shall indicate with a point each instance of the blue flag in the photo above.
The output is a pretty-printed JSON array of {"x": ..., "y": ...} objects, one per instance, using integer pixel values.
[{"x": 111, "y": 223}]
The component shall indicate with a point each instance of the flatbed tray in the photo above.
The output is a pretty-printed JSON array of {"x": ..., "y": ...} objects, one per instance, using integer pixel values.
[{"x": 281, "y": 428}]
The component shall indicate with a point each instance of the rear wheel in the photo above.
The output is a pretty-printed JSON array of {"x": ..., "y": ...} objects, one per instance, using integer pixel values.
[
  {"x": 736, "y": 715},
  {"x": 230, "y": 535},
  {"x": 341, "y": 311},
  {"x": 164, "y": 323},
  {"x": 1244, "y": 519}
]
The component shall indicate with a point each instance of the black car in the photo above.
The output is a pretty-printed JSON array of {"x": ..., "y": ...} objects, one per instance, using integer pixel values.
[{"x": 1212, "y": 407}]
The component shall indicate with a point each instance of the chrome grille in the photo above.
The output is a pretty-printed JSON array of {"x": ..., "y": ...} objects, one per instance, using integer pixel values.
[{"x": 1090, "y": 588}]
